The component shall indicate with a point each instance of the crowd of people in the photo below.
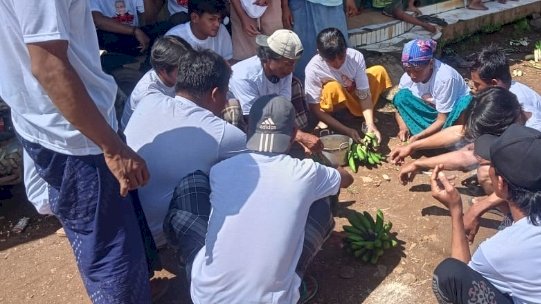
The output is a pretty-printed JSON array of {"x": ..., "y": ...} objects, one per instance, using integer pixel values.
[{"x": 209, "y": 156}]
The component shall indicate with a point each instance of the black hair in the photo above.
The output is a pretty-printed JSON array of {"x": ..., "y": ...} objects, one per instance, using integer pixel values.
[
  {"x": 201, "y": 71},
  {"x": 490, "y": 112},
  {"x": 528, "y": 201},
  {"x": 167, "y": 51},
  {"x": 206, "y": 6},
  {"x": 491, "y": 63},
  {"x": 331, "y": 43}
]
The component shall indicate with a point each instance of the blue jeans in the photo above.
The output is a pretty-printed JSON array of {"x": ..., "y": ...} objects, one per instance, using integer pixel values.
[{"x": 100, "y": 224}]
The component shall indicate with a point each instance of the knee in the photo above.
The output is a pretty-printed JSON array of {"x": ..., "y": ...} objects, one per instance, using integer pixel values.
[
  {"x": 401, "y": 97},
  {"x": 448, "y": 270},
  {"x": 331, "y": 87},
  {"x": 484, "y": 179}
]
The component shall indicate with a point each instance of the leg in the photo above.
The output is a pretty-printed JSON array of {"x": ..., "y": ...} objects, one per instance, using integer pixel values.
[
  {"x": 414, "y": 112},
  {"x": 319, "y": 226},
  {"x": 272, "y": 18},
  {"x": 100, "y": 224},
  {"x": 186, "y": 222},
  {"x": 379, "y": 81},
  {"x": 244, "y": 46},
  {"x": 455, "y": 282},
  {"x": 477, "y": 5}
]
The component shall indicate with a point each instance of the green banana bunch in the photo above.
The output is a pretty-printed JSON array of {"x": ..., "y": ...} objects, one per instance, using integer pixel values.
[
  {"x": 367, "y": 238},
  {"x": 364, "y": 153}
]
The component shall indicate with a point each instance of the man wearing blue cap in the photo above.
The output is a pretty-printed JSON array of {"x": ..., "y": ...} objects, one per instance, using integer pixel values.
[
  {"x": 507, "y": 267},
  {"x": 432, "y": 94}
]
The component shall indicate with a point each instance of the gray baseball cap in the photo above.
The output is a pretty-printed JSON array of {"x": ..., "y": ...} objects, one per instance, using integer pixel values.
[{"x": 270, "y": 124}]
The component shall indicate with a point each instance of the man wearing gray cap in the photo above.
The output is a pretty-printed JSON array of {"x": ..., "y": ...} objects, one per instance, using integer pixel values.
[
  {"x": 506, "y": 268},
  {"x": 252, "y": 249},
  {"x": 270, "y": 72}
]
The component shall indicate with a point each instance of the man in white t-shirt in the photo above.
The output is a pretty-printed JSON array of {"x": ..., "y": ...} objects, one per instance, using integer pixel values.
[
  {"x": 270, "y": 72},
  {"x": 252, "y": 250},
  {"x": 506, "y": 268},
  {"x": 177, "y": 136},
  {"x": 62, "y": 105},
  {"x": 161, "y": 79},
  {"x": 205, "y": 29},
  {"x": 337, "y": 80}
]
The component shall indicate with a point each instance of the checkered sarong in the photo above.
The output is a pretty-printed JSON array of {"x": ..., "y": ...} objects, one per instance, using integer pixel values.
[{"x": 186, "y": 222}]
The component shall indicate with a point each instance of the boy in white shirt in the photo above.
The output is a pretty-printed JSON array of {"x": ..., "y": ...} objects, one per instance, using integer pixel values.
[
  {"x": 337, "y": 79},
  {"x": 205, "y": 29}
]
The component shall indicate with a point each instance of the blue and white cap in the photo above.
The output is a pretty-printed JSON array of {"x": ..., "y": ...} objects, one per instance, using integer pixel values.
[{"x": 270, "y": 124}]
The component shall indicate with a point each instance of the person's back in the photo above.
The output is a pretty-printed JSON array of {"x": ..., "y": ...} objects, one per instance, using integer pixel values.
[
  {"x": 530, "y": 101},
  {"x": 257, "y": 224},
  {"x": 183, "y": 135}
]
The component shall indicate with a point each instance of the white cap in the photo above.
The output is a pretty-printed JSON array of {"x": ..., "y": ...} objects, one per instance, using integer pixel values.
[{"x": 283, "y": 42}]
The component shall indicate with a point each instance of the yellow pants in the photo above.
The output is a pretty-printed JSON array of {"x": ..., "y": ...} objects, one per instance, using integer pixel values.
[{"x": 333, "y": 93}]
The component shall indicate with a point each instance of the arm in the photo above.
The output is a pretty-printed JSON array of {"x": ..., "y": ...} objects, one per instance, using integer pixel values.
[
  {"x": 309, "y": 141},
  {"x": 351, "y": 8},
  {"x": 445, "y": 193},
  {"x": 474, "y": 213},
  {"x": 457, "y": 160},
  {"x": 345, "y": 178},
  {"x": 249, "y": 25},
  {"x": 51, "y": 67},
  {"x": 287, "y": 17},
  {"x": 442, "y": 139},
  {"x": 110, "y": 25},
  {"x": 368, "y": 114},
  {"x": 333, "y": 123},
  {"x": 432, "y": 129}
]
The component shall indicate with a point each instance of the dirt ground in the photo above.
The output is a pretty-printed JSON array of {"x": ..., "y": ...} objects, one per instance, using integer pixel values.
[{"x": 37, "y": 266}]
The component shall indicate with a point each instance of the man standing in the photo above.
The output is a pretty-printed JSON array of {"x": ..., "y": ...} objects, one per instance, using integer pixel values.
[
  {"x": 252, "y": 251},
  {"x": 63, "y": 111}
]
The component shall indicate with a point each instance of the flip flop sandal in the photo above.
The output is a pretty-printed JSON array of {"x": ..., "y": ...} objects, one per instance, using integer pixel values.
[{"x": 308, "y": 289}]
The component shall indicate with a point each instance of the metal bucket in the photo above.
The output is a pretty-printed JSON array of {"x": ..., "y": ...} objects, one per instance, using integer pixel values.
[{"x": 336, "y": 148}]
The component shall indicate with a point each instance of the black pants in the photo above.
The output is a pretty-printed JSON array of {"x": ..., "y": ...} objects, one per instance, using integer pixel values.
[{"x": 455, "y": 282}]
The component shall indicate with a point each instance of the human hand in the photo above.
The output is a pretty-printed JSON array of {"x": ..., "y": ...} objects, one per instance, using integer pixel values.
[
  {"x": 371, "y": 128},
  {"x": 128, "y": 168},
  {"x": 354, "y": 135},
  {"x": 471, "y": 224},
  {"x": 142, "y": 38},
  {"x": 444, "y": 191},
  {"x": 351, "y": 8},
  {"x": 309, "y": 141},
  {"x": 287, "y": 18},
  {"x": 398, "y": 154},
  {"x": 407, "y": 173},
  {"x": 403, "y": 134},
  {"x": 249, "y": 26}
]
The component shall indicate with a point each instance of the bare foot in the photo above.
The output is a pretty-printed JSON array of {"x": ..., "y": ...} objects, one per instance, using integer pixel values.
[
  {"x": 403, "y": 134},
  {"x": 477, "y": 6}
]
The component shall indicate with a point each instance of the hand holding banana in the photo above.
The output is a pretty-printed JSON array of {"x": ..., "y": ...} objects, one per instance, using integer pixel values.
[{"x": 364, "y": 153}]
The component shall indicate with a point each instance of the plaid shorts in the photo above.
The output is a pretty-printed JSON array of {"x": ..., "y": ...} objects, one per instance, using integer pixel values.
[{"x": 186, "y": 222}]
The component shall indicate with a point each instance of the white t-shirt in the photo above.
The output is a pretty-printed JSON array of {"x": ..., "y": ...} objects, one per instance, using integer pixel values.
[
  {"x": 511, "y": 261},
  {"x": 123, "y": 11},
  {"x": 221, "y": 44},
  {"x": 177, "y": 6},
  {"x": 248, "y": 82},
  {"x": 260, "y": 205},
  {"x": 176, "y": 137},
  {"x": 34, "y": 116},
  {"x": 530, "y": 101},
  {"x": 150, "y": 83},
  {"x": 318, "y": 72},
  {"x": 445, "y": 87}
]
